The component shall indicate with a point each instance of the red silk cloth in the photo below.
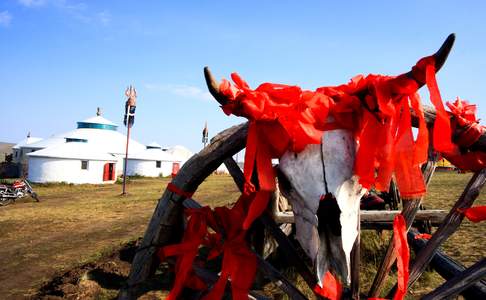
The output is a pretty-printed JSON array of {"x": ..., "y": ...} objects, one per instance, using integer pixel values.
[
  {"x": 403, "y": 255},
  {"x": 475, "y": 214},
  {"x": 469, "y": 132},
  {"x": 425, "y": 236},
  {"x": 227, "y": 238},
  {"x": 332, "y": 289},
  {"x": 376, "y": 108}
]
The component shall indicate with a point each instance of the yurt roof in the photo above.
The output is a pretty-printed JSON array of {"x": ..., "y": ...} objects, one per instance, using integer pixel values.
[
  {"x": 26, "y": 141},
  {"x": 74, "y": 150},
  {"x": 180, "y": 152},
  {"x": 152, "y": 154},
  {"x": 109, "y": 141},
  {"x": 154, "y": 145}
]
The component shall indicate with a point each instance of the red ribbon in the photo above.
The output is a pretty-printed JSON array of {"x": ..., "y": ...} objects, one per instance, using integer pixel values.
[
  {"x": 403, "y": 255},
  {"x": 331, "y": 287},
  {"x": 173, "y": 188},
  {"x": 239, "y": 262},
  {"x": 425, "y": 236},
  {"x": 475, "y": 214}
]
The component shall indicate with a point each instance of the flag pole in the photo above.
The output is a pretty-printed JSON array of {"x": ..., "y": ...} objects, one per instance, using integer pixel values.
[
  {"x": 129, "y": 119},
  {"x": 126, "y": 158}
]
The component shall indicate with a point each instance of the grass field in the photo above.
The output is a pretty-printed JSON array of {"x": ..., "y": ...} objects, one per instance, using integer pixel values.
[{"x": 75, "y": 224}]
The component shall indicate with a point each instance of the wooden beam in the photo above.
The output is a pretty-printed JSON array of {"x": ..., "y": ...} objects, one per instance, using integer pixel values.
[
  {"x": 280, "y": 280},
  {"x": 446, "y": 267},
  {"x": 164, "y": 226},
  {"x": 379, "y": 217},
  {"x": 459, "y": 283},
  {"x": 355, "y": 264},
  {"x": 449, "y": 226},
  {"x": 409, "y": 212}
]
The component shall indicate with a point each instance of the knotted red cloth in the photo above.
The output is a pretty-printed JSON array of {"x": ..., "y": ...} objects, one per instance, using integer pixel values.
[
  {"x": 376, "y": 108},
  {"x": 469, "y": 133},
  {"x": 475, "y": 214},
  {"x": 239, "y": 262}
]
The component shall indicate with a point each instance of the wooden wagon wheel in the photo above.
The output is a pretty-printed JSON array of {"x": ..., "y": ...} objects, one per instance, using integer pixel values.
[{"x": 166, "y": 225}]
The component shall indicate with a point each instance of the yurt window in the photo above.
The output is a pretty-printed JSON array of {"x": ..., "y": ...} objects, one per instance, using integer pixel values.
[
  {"x": 158, "y": 163},
  {"x": 84, "y": 165}
]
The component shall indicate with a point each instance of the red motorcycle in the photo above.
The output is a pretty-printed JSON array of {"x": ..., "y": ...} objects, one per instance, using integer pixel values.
[{"x": 19, "y": 189}]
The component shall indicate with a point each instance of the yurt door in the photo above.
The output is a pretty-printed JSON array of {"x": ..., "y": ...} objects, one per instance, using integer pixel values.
[
  {"x": 175, "y": 169},
  {"x": 109, "y": 172}
]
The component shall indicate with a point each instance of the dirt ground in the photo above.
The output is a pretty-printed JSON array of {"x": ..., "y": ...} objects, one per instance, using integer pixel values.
[
  {"x": 76, "y": 224},
  {"x": 78, "y": 241}
]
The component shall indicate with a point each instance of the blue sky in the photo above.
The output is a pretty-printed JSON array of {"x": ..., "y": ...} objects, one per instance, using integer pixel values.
[{"x": 60, "y": 59}]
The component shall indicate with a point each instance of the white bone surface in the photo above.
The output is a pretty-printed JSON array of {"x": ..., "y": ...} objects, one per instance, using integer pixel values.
[{"x": 305, "y": 173}]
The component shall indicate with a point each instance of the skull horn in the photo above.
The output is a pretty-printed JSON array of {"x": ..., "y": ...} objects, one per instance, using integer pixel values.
[
  {"x": 213, "y": 86},
  {"x": 440, "y": 58}
]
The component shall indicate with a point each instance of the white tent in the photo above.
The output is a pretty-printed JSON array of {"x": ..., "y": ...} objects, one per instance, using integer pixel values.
[
  {"x": 151, "y": 162},
  {"x": 23, "y": 147},
  {"x": 100, "y": 132},
  {"x": 75, "y": 161}
]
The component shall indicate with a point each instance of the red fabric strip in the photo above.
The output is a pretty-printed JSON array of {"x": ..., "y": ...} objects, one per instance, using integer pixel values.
[
  {"x": 424, "y": 236},
  {"x": 403, "y": 255},
  {"x": 173, "y": 188},
  {"x": 475, "y": 214},
  {"x": 331, "y": 289}
]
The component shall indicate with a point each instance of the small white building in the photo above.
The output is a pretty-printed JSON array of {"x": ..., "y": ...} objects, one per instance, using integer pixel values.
[
  {"x": 152, "y": 162},
  {"x": 75, "y": 161},
  {"x": 23, "y": 147}
]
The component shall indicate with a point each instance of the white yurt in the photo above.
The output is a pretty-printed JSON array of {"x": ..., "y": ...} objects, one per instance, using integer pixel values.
[
  {"x": 75, "y": 161},
  {"x": 98, "y": 141},
  {"x": 179, "y": 153},
  {"x": 23, "y": 147},
  {"x": 152, "y": 162}
]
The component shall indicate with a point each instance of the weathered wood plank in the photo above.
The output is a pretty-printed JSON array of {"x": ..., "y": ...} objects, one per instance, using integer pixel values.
[
  {"x": 435, "y": 216},
  {"x": 355, "y": 264},
  {"x": 164, "y": 224},
  {"x": 459, "y": 283},
  {"x": 280, "y": 280},
  {"x": 446, "y": 267},
  {"x": 409, "y": 212},
  {"x": 449, "y": 226}
]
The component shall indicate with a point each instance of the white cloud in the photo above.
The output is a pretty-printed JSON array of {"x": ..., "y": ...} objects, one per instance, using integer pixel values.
[
  {"x": 75, "y": 9},
  {"x": 104, "y": 17},
  {"x": 5, "y": 18},
  {"x": 182, "y": 90},
  {"x": 31, "y": 3}
]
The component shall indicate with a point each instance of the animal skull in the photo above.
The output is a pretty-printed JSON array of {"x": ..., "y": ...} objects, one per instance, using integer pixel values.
[{"x": 326, "y": 228}]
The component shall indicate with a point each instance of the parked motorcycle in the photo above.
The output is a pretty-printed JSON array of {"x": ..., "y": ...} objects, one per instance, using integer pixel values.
[{"x": 19, "y": 189}]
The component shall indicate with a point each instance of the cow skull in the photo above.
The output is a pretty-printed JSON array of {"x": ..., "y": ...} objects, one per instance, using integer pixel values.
[{"x": 327, "y": 229}]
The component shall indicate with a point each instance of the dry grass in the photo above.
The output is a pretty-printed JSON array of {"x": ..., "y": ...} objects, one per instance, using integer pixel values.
[{"x": 74, "y": 224}]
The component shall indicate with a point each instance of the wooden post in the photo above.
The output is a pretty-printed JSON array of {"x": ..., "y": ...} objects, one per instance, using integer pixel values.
[
  {"x": 410, "y": 208},
  {"x": 164, "y": 224},
  {"x": 448, "y": 227},
  {"x": 126, "y": 160},
  {"x": 459, "y": 283},
  {"x": 355, "y": 264},
  {"x": 446, "y": 267}
]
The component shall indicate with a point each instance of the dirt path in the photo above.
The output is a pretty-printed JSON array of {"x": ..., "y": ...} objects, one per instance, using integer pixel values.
[{"x": 71, "y": 225}]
